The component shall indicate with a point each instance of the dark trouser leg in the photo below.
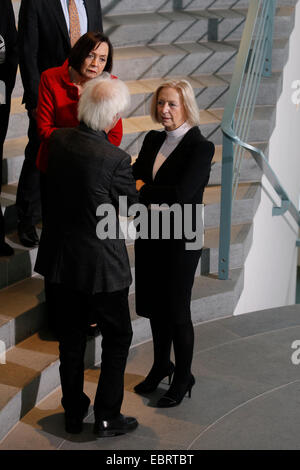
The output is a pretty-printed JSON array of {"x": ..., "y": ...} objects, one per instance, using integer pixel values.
[
  {"x": 183, "y": 343},
  {"x": 113, "y": 318},
  {"x": 4, "y": 118},
  {"x": 28, "y": 193},
  {"x": 69, "y": 311},
  {"x": 2, "y": 229}
]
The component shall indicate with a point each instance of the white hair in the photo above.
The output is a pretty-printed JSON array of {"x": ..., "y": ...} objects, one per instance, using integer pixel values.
[{"x": 102, "y": 99}]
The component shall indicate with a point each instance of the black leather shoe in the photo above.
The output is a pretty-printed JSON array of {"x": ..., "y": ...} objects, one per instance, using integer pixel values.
[
  {"x": 74, "y": 422},
  {"x": 115, "y": 427},
  {"x": 6, "y": 250},
  {"x": 28, "y": 236}
]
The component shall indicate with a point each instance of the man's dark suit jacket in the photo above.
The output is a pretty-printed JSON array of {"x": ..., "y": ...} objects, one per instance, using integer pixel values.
[
  {"x": 44, "y": 40},
  {"x": 9, "y": 33},
  {"x": 85, "y": 170}
]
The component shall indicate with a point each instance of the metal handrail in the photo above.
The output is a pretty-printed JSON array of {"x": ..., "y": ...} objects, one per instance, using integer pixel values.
[{"x": 253, "y": 61}]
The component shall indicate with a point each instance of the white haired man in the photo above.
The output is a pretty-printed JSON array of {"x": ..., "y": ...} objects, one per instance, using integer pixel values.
[{"x": 86, "y": 277}]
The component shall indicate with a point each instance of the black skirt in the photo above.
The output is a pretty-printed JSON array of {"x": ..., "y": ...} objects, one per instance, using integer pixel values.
[{"x": 164, "y": 277}]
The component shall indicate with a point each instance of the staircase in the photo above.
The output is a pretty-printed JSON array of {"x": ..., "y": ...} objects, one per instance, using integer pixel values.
[{"x": 197, "y": 40}]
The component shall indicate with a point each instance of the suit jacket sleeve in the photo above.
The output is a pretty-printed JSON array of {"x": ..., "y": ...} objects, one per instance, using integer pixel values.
[
  {"x": 123, "y": 184},
  {"x": 9, "y": 68},
  {"x": 195, "y": 175},
  {"x": 28, "y": 50},
  {"x": 100, "y": 24}
]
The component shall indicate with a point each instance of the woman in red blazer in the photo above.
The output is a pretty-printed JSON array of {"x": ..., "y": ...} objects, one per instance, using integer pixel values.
[{"x": 60, "y": 89}]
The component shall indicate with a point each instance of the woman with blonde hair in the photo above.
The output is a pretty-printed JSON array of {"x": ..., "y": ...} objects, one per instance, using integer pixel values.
[{"x": 173, "y": 167}]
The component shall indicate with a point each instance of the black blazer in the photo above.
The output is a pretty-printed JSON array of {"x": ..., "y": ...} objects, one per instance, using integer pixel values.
[
  {"x": 182, "y": 177},
  {"x": 164, "y": 266},
  {"x": 9, "y": 33},
  {"x": 85, "y": 170},
  {"x": 44, "y": 41}
]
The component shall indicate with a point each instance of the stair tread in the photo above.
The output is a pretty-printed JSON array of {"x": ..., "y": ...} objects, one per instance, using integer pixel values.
[
  {"x": 135, "y": 124},
  {"x": 14, "y": 147},
  {"x": 184, "y": 15},
  {"x": 212, "y": 192},
  {"x": 20, "y": 297},
  {"x": 25, "y": 362},
  {"x": 156, "y": 50}
]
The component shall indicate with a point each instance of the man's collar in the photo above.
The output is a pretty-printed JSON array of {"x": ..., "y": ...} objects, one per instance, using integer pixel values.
[{"x": 83, "y": 127}]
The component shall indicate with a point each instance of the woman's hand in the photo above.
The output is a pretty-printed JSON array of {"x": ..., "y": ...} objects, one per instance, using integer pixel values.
[{"x": 139, "y": 184}]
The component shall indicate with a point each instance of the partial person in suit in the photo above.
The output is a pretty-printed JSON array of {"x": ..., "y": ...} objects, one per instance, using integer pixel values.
[
  {"x": 47, "y": 31},
  {"x": 173, "y": 167},
  {"x": 8, "y": 70},
  {"x": 88, "y": 275}
]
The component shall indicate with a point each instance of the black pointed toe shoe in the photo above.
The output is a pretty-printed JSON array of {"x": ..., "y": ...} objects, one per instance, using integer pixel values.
[
  {"x": 176, "y": 393},
  {"x": 115, "y": 427},
  {"x": 153, "y": 379}
]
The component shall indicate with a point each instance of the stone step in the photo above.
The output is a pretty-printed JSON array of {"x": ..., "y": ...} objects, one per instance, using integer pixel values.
[
  {"x": 187, "y": 26},
  {"x": 31, "y": 367},
  {"x": 21, "y": 265},
  {"x": 245, "y": 194},
  {"x": 185, "y": 58},
  {"x": 22, "y": 310},
  {"x": 261, "y": 127},
  {"x": 22, "y": 303},
  {"x": 133, "y": 126},
  {"x": 244, "y": 207},
  {"x": 210, "y": 91},
  {"x": 110, "y": 7}
]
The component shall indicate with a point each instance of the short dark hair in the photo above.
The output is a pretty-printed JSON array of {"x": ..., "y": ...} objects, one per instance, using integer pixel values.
[{"x": 87, "y": 43}]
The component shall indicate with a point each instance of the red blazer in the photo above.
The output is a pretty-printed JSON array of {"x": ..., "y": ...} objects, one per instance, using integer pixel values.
[{"x": 57, "y": 108}]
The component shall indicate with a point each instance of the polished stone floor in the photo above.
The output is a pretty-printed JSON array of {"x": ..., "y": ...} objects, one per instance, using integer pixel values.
[{"x": 247, "y": 395}]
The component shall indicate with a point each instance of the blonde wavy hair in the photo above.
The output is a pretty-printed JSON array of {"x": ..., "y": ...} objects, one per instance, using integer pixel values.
[{"x": 186, "y": 92}]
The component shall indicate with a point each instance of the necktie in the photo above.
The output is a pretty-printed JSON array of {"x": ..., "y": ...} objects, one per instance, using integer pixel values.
[{"x": 75, "y": 32}]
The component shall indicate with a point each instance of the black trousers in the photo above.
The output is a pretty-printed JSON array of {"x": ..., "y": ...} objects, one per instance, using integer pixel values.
[
  {"x": 28, "y": 194},
  {"x": 73, "y": 312},
  {"x": 4, "y": 118}
]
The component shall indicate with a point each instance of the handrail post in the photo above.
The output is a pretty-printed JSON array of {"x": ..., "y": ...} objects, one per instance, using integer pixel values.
[
  {"x": 226, "y": 208},
  {"x": 267, "y": 70}
]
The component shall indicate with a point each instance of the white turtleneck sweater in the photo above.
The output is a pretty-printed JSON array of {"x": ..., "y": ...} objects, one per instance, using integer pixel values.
[{"x": 172, "y": 140}]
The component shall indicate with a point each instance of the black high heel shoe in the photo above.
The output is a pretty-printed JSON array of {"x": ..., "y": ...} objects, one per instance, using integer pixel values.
[
  {"x": 176, "y": 393},
  {"x": 153, "y": 379}
]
